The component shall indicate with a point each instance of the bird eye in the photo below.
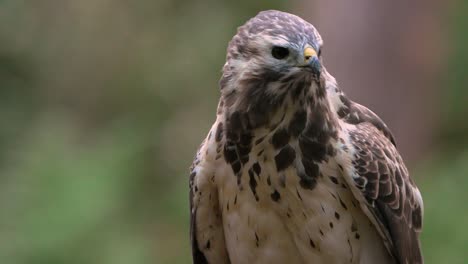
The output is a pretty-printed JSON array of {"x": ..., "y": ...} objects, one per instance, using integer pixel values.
[
  {"x": 319, "y": 52},
  {"x": 279, "y": 52}
]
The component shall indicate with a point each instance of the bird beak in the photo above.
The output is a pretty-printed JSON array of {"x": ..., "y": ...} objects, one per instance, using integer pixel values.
[{"x": 311, "y": 60}]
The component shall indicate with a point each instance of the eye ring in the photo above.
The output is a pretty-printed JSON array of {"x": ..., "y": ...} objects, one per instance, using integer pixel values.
[{"x": 279, "y": 53}]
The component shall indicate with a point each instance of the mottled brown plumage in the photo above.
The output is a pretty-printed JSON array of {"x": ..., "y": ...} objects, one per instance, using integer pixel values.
[{"x": 292, "y": 170}]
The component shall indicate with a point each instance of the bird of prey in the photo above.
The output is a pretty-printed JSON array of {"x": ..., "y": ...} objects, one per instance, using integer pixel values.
[{"x": 292, "y": 171}]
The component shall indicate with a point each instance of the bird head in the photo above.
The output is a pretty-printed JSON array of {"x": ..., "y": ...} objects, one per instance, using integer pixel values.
[
  {"x": 273, "y": 55},
  {"x": 275, "y": 42}
]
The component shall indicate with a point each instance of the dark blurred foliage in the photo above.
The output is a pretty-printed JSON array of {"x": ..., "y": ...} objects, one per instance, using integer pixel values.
[
  {"x": 103, "y": 103},
  {"x": 455, "y": 111}
]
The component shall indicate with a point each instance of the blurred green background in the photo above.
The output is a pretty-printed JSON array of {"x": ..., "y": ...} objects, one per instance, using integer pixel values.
[{"x": 103, "y": 104}]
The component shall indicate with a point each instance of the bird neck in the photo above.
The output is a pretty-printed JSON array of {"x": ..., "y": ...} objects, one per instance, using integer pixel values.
[
  {"x": 322, "y": 121},
  {"x": 299, "y": 104}
]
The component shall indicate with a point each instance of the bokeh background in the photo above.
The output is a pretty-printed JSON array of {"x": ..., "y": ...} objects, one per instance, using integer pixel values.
[{"x": 104, "y": 102}]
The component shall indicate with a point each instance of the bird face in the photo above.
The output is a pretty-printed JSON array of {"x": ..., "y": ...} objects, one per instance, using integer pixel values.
[{"x": 282, "y": 55}]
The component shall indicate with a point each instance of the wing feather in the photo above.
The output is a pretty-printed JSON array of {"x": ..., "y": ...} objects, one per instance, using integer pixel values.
[
  {"x": 390, "y": 198},
  {"x": 206, "y": 227},
  {"x": 197, "y": 255}
]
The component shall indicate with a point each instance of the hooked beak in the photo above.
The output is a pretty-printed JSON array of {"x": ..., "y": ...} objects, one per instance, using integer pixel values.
[{"x": 310, "y": 60}]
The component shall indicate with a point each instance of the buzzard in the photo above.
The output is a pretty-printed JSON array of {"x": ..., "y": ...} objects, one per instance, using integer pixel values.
[{"x": 292, "y": 171}]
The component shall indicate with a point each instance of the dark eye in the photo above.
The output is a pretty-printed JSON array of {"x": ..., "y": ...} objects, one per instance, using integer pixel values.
[
  {"x": 279, "y": 52},
  {"x": 320, "y": 52}
]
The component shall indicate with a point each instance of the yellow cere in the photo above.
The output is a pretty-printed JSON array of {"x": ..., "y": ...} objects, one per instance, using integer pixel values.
[{"x": 309, "y": 52}]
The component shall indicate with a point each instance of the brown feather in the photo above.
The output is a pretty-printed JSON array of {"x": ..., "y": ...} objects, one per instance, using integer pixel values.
[{"x": 392, "y": 198}]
